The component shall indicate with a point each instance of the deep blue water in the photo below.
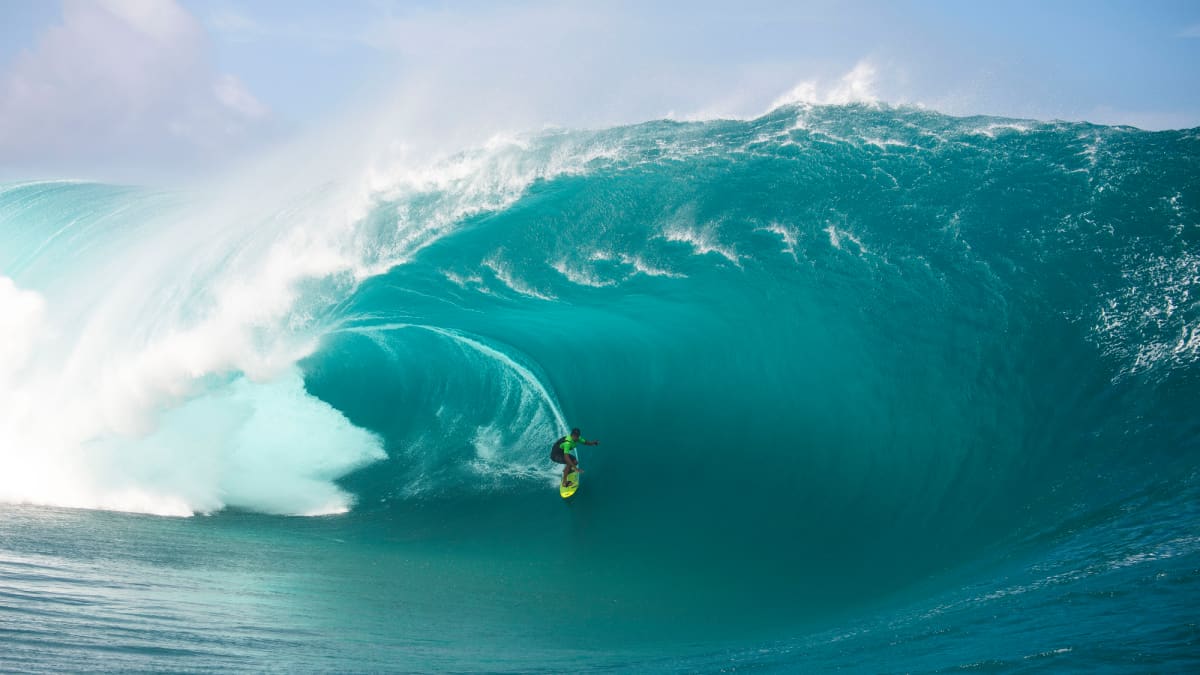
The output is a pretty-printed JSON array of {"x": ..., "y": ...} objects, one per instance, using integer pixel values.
[{"x": 877, "y": 389}]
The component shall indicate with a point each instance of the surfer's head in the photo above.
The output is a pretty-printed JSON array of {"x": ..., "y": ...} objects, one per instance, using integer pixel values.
[{"x": 575, "y": 433}]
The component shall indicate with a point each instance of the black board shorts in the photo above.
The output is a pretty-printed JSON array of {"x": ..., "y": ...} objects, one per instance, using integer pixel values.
[{"x": 557, "y": 456}]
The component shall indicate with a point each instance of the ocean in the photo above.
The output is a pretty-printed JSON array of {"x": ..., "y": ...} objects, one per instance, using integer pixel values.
[{"x": 876, "y": 389}]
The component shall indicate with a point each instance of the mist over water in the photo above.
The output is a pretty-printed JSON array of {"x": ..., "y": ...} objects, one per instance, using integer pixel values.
[{"x": 862, "y": 375}]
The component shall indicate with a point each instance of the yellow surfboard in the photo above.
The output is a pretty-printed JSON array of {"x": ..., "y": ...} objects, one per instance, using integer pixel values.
[{"x": 572, "y": 485}]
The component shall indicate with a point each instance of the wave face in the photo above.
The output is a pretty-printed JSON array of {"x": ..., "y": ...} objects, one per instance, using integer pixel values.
[{"x": 833, "y": 354}]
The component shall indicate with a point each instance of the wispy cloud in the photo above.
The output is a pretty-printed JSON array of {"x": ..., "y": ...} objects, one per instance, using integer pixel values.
[
  {"x": 1192, "y": 31},
  {"x": 236, "y": 26},
  {"x": 122, "y": 83},
  {"x": 226, "y": 20}
]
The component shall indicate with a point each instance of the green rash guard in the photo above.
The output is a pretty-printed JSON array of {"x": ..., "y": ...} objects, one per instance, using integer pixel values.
[{"x": 568, "y": 445}]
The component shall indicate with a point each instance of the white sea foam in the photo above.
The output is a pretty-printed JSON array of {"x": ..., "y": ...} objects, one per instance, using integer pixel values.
[
  {"x": 803, "y": 124},
  {"x": 885, "y": 143},
  {"x": 468, "y": 282},
  {"x": 584, "y": 276},
  {"x": 488, "y": 178},
  {"x": 640, "y": 266},
  {"x": 579, "y": 275},
  {"x": 1151, "y": 322},
  {"x": 1092, "y": 149},
  {"x": 789, "y": 236},
  {"x": 100, "y": 416},
  {"x": 505, "y": 276},
  {"x": 703, "y": 241},
  {"x": 993, "y": 129},
  {"x": 837, "y": 236},
  {"x": 269, "y": 447},
  {"x": 22, "y": 313},
  {"x": 1175, "y": 204}
]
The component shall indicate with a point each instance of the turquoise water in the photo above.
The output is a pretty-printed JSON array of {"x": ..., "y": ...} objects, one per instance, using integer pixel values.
[{"x": 876, "y": 389}]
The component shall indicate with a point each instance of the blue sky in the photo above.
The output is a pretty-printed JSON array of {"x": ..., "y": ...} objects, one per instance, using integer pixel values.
[{"x": 156, "y": 83}]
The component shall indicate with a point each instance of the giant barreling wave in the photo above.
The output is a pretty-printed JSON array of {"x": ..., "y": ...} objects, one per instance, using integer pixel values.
[{"x": 857, "y": 330}]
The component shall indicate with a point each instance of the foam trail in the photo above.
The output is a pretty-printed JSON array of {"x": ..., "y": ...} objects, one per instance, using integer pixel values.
[
  {"x": 524, "y": 373},
  {"x": 508, "y": 434}
]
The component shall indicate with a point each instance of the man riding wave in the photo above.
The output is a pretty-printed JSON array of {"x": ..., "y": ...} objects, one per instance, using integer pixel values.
[{"x": 563, "y": 452}]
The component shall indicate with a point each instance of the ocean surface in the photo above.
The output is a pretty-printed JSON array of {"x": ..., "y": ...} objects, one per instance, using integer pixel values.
[{"x": 876, "y": 389}]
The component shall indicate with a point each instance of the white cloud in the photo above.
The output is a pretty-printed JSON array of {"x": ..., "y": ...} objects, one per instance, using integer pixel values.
[
  {"x": 161, "y": 20},
  {"x": 1192, "y": 31},
  {"x": 118, "y": 84},
  {"x": 229, "y": 21},
  {"x": 304, "y": 32},
  {"x": 230, "y": 92}
]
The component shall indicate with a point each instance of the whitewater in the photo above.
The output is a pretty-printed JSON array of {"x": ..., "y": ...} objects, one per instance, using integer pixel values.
[{"x": 878, "y": 389}]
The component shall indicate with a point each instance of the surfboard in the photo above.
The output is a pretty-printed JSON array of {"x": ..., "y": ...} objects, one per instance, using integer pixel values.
[{"x": 573, "y": 479}]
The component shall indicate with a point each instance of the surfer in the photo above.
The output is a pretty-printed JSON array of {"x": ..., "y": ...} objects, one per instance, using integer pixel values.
[{"x": 563, "y": 452}]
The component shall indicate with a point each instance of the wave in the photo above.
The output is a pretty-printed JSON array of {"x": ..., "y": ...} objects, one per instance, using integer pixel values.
[{"x": 867, "y": 332}]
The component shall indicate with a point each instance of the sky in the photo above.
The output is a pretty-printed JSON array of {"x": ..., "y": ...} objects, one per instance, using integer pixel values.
[{"x": 145, "y": 87}]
